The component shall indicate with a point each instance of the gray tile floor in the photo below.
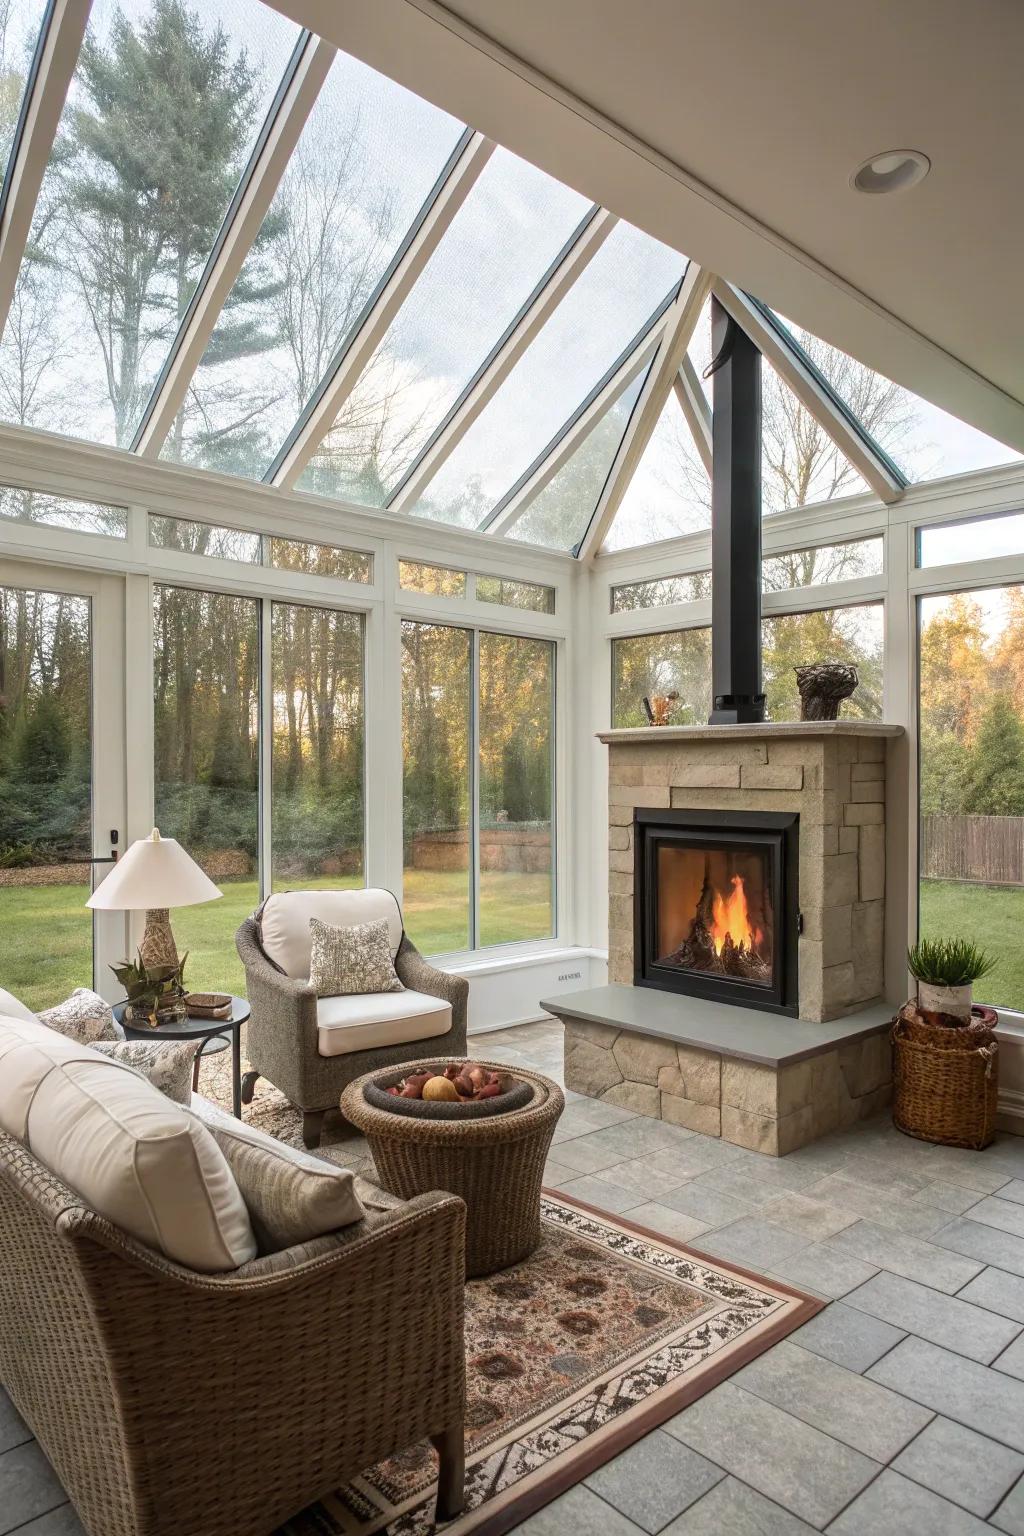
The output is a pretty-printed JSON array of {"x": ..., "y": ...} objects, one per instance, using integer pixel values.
[{"x": 899, "y": 1409}]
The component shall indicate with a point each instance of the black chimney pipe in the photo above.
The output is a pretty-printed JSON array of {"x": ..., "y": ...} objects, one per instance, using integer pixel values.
[{"x": 735, "y": 524}]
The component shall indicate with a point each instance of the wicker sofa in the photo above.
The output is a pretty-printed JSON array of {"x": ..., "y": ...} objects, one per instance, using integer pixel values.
[
  {"x": 173, "y": 1403},
  {"x": 284, "y": 1039}
]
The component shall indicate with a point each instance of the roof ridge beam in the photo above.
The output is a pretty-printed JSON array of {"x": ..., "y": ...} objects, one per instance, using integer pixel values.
[
  {"x": 297, "y": 94},
  {"x": 575, "y": 431},
  {"x": 49, "y": 79},
  {"x": 814, "y": 392},
  {"x": 680, "y": 324},
  {"x": 431, "y": 223},
  {"x": 575, "y": 257}
]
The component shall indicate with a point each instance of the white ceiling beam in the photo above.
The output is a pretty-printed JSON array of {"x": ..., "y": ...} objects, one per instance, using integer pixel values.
[
  {"x": 786, "y": 361},
  {"x": 47, "y": 89},
  {"x": 693, "y": 403},
  {"x": 256, "y": 191},
  {"x": 680, "y": 323},
  {"x": 561, "y": 278},
  {"x": 548, "y": 465},
  {"x": 321, "y": 414}
]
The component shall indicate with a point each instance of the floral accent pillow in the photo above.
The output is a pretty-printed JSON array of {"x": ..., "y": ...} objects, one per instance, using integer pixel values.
[
  {"x": 350, "y": 960},
  {"x": 167, "y": 1064},
  {"x": 83, "y": 1017}
]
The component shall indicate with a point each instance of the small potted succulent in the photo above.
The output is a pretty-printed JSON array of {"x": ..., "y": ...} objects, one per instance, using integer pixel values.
[{"x": 945, "y": 971}]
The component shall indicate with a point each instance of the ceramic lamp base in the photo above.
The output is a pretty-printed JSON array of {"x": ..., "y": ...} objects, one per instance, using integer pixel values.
[{"x": 158, "y": 947}]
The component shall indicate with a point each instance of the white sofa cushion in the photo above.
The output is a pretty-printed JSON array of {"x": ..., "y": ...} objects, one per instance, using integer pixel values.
[
  {"x": 367, "y": 1021},
  {"x": 12, "y": 1008},
  {"x": 144, "y": 1163},
  {"x": 284, "y": 922}
]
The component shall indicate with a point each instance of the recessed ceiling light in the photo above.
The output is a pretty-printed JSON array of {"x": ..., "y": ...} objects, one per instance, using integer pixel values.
[{"x": 891, "y": 171}]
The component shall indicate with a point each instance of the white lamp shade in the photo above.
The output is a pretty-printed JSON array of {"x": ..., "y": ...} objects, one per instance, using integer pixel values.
[{"x": 155, "y": 872}]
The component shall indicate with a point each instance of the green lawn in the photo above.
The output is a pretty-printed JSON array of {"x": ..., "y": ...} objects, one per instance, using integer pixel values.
[
  {"x": 45, "y": 931},
  {"x": 991, "y": 915}
]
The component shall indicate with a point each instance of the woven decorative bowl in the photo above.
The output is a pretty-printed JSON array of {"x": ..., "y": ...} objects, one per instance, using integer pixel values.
[
  {"x": 946, "y": 1081},
  {"x": 517, "y": 1097},
  {"x": 495, "y": 1162}
]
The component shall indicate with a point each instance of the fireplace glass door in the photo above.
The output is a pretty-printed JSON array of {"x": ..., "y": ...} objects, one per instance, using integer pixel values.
[{"x": 716, "y": 905}]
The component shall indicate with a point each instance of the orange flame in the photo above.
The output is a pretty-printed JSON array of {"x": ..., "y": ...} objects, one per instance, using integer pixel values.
[{"x": 730, "y": 917}]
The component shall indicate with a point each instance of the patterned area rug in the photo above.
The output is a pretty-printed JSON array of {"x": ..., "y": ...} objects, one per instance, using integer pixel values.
[{"x": 602, "y": 1334}]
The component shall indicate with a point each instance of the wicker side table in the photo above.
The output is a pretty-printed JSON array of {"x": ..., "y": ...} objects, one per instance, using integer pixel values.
[{"x": 496, "y": 1165}]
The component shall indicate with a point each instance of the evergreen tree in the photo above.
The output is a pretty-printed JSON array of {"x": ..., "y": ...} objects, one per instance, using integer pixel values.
[
  {"x": 995, "y": 776},
  {"x": 42, "y": 750}
]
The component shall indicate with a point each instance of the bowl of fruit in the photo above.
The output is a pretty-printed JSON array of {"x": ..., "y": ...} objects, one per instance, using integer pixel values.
[{"x": 449, "y": 1090}]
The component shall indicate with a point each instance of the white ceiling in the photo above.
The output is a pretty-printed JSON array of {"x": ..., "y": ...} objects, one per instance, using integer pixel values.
[{"x": 730, "y": 128}]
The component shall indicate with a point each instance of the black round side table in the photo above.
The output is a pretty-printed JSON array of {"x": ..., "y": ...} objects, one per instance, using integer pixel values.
[{"x": 205, "y": 1030}]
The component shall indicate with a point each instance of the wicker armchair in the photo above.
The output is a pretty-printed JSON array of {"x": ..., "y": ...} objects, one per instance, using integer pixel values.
[
  {"x": 282, "y": 1039},
  {"x": 177, "y": 1404}
]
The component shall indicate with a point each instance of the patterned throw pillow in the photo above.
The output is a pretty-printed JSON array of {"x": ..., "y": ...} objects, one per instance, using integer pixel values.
[
  {"x": 167, "y": 1064},
  {"x": 83, "y": 1017},
  {"x": 349, "y": 960}
]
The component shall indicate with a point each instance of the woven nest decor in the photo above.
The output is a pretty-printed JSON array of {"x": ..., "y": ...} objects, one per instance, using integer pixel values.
[
  {"x": 945, "y": 1080},
  {"x": 602, "y": 1334},
  {"x": 495, "y": 1163}
]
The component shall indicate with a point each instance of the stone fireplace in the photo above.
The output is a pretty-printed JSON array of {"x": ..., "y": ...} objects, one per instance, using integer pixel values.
[{"x": 746, "y": 931}]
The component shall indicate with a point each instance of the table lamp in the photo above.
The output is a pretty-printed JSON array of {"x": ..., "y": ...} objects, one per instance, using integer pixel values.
[{"x": 154, "y": 875}]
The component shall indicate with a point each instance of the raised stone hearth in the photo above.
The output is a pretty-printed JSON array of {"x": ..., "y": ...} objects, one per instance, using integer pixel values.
[{"x": 832, "y": 774}]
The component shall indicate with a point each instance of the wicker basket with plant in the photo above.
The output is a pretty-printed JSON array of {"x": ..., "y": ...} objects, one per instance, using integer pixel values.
[{"x": 946, "y": 1057}]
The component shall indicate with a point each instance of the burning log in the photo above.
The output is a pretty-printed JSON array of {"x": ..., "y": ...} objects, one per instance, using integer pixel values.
[{"x": 722, "y": 940}]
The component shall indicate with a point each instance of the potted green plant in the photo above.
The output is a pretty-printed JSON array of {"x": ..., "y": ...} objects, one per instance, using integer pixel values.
[
  {"x": 945, "y": 971},
  {"x": 155, "y": 993}
]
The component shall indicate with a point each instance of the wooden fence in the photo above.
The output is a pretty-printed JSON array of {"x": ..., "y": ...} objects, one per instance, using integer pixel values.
[{"x": 985, "y": 849}]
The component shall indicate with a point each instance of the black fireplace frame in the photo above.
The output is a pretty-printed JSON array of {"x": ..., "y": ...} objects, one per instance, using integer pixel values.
[{"x": 777, "y": 832}]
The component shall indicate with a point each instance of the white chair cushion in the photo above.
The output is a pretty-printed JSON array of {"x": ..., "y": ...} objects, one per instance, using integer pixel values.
[
  {"x": 144, "y": 1163},
  {"x": 284, "y": 922},
  {"x": 12, "y": 1008},
  {"x": 366, "y": 1021}
]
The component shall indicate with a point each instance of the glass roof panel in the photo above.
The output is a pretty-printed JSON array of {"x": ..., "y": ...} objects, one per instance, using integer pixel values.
[
  {"x": 20, "y": 21},
  {"x": 606, "y": 307},
  {"x": 559, "y": 515},
  {"x": 670, "y": 492},
  {"x": 501, "y": 242},
  {"x": 366, "y": 161},
  {"x": 801, "y": 464},
  {"x": 923, "y": 439},
  {"x": 165, "y": 105}
]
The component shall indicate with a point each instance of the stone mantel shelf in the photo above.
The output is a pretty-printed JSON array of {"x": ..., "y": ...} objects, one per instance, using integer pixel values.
[
  {"x": 745, "y": 1034},
  {"x": 760, "y": 731}
]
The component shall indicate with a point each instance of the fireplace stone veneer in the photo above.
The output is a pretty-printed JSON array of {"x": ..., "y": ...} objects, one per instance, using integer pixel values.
[{"x": 832, "y": 774}]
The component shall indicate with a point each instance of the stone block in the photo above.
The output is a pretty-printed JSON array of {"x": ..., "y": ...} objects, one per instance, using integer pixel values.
[
  {"x": 795, "y": 1130},
  {"x": 620, "y": 912},
  {"x": 637, "y": 794},
  {"x": 797, "y": 749},
  {"x": 589, "y": 1069},
  {"x": 817, "y": 841},
  {"x": 825, "y": 1091},
  {"x": 868, "y": 936},
  {"x": 705, "y": 1118},
  {"x": 858, "y": 815},
  {"x": 620, "y": 880},
  {"x": 837, "y": 988},
  {"x": 619, "y": 839},
  {"x": 624, "y": 773},
  {"x": 865, "y": 1065},
  {"x": 834, "y": 927},
  {"x": 871, "y": 749},
  {"x": 750, "y": 1086},
  {"x": 620, "y": 967},
  {"x": 622, "y": 860},
  {"x": 872, "y": 863},
  {"x": 719, "y": 752},
  {"x": 620, "y": 815},
  {"x": 706, "y": 776},
  {"x": 772, "y": 776},
  {"x": 641, "y": 1057},
  {"x": 867, "y": 791},
  {"x": 641, "y": 1098},
  {"x": 810, "y": 966},
  {"x": 849, "y": 839},
  {"x": 758, "y": 1133},
  {"x": 701, "y": 1072},
  {"x": 604, "y": 1035},
  {"x": 841, "y": 886},
  {"x": 658, "y": 770},
  {"x": 794, "y": 1084},
  {"x": 864, "y": 771}
]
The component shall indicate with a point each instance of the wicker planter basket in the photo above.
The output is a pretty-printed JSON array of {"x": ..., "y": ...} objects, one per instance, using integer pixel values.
[
  {"x": 946, "y": 1081},
  {"x": 495, "y": 1162}
]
